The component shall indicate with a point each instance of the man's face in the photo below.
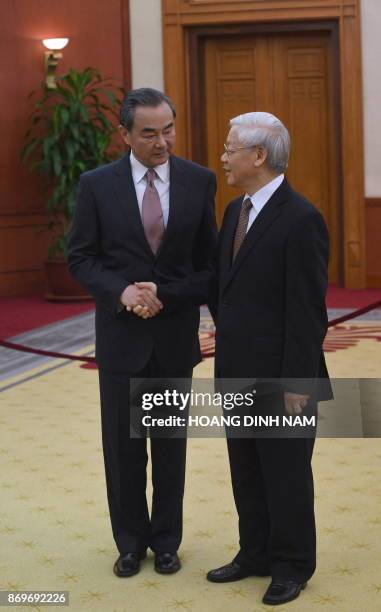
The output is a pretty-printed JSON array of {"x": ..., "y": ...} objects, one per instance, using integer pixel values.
[
  {"x": 239, "y": 162},
  {"x": 153, "y": 134}
]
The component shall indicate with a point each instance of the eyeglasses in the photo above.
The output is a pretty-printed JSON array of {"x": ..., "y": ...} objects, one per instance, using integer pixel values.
[{"x": 229, "y": 151}]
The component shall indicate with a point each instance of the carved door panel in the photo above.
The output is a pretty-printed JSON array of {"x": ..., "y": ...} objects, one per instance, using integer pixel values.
[{"x": 289, "y": 75}]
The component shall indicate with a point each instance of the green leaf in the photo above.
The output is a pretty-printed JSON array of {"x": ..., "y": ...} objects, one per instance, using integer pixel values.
[
  {"x": 111, "y": 96},
  {"x": 74, "y": 129},
  {"x": 46, "y": 146},
  {"x": 57, "y": 164},
  {"x": 65, "y": 116},
  {"x": 85, "y": 113},
  {"x": 62, "y": 91},
  {"x": 29, "y": 148},
  {"x": 70, "y": 151}
]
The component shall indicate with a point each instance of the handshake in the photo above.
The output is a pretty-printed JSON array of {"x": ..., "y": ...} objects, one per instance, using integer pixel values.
[{"x": 141, "y": 299}]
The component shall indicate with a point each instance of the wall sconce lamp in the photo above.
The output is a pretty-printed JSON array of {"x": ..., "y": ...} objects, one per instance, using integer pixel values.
[{"x": 54, "y": 46}]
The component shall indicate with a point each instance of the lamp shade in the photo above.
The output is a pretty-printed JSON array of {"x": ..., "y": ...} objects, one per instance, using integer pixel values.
[{"x": 55, "y": 44}]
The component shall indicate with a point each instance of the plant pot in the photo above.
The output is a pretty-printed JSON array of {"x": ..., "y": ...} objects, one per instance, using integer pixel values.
[{"x": 62, "y": 287}]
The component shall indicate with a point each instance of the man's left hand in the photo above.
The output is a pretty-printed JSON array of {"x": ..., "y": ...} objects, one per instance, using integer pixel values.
[
  {"x": 295, "y": 402},
  {"x": 143, "y": 311}
]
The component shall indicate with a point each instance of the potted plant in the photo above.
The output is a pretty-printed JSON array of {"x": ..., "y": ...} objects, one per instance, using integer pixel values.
[{"x": 71, "y": 131}]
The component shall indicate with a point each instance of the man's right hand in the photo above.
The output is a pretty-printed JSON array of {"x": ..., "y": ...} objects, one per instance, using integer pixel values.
[
  {"x": 295, "y": 402},
  {"x": 141, "y": 300}
]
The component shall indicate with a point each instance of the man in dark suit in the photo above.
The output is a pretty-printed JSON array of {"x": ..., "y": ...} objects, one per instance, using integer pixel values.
[
  {"x": 141, "y": 243},
  {"x": 271, "y": 320}
]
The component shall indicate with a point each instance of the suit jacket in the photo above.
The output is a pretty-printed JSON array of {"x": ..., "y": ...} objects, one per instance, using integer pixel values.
[
  {"x": 269, "y": 305},
  {"x": 108, "y": 250}
]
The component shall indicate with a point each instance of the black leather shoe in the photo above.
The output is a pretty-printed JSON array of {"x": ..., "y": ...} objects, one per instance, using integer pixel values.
[
  {"x": 128, "y": 564},
  {"x": 167, "y": 563},
  {"x": 282, "y": 591},
  {"x": 231, "y": 572}
]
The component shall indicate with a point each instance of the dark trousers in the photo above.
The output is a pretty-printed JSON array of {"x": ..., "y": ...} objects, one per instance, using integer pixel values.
[
  {"x": 126, "y": 459},
  {"x": 274, "y": 496}
]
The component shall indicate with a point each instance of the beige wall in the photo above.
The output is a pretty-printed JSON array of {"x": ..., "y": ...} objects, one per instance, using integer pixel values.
[
  {"x": 371, "y": 51},
  {"x": 146, "y": 43},
  {"x": 147, "y": 69}
]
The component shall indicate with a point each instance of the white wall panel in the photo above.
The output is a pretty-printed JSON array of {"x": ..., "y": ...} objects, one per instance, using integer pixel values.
[
  {"x": 371, "y": 57},
  {"x": 146, "y": 43}
]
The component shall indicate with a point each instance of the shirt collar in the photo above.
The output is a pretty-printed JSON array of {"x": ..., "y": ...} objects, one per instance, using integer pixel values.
[
  {"x": 139, "y": 170},
  {"x": 262, "y": 196}
]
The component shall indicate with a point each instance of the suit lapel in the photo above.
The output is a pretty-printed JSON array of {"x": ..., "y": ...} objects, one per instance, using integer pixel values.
[
  {"x": 126, "y": 194},
  {"x": 228, "y": 239},
  {"x": 264, "y": 220}
]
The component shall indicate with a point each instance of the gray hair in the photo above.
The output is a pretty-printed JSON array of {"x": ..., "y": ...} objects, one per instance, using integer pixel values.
[{"x": 267, "y": 131}]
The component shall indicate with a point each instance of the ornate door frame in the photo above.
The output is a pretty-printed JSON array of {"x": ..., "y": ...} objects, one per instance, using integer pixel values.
[{"x": 181, "y": 17}]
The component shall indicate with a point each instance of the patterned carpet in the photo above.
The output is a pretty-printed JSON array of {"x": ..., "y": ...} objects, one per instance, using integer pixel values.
[{"x": 54, "y": 524}]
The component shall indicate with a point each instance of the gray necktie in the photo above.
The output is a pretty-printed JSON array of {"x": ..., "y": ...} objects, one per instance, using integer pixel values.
[
  {"x": 152, "y": 214},
  {"x": 241, "y": 230}
]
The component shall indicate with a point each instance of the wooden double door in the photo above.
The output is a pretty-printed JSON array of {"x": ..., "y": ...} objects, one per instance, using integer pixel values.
[{"x": 291, "y": 75}]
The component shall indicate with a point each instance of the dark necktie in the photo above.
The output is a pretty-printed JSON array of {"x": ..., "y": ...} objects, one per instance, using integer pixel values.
[
  {"x": 152, "y": 214},
  {"x": 241, "y": 230}
]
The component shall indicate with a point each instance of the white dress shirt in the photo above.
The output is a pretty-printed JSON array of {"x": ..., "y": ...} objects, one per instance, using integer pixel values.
[
  {"x": 261, "y": 197},
  {"x": 161, "y": 184}
]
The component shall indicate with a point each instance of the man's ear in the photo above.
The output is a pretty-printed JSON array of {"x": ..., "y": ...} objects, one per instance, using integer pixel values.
[
  {"x": 123, "y": 131},
  {"x": 261, "y": 157}
]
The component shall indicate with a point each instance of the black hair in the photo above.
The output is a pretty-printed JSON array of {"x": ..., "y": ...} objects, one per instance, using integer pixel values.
[{"x": 144, "y": 96}]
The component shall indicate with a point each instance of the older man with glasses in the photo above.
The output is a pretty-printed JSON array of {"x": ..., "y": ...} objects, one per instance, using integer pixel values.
[{"x": 269, "y": 306}]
